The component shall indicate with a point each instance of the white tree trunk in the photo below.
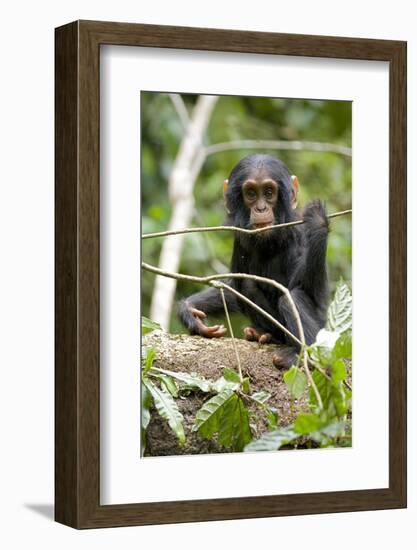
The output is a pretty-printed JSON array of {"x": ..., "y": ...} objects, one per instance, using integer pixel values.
[{"x": 185, "y": 171}]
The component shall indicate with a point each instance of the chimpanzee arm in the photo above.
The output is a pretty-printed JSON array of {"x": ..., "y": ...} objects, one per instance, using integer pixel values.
[
  {"x": 195, "y": 308},
  {"x": 312, "y": 275}
]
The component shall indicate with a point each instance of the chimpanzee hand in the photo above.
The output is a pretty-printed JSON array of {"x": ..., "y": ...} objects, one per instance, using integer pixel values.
[
  {"x": 216, "y": 331},
  {"x": 315, "y": 216}
]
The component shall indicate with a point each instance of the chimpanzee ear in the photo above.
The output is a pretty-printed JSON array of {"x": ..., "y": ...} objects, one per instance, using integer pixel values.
[
  {"x": 225, "y": 185},
  {"x": 294, "y": 181}
]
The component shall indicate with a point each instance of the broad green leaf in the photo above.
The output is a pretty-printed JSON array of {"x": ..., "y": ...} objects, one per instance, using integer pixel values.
[
  {"x": 322, "y": 385},
  {"x": 261, "y": 396},
  {"x": 234, "y": 429},
  {"x": 272, "y": 441},
  {"x": 231, "y": 375},
  {"x": 149, "y": 326},
  {"x": 335, "y": 429},
  {"x": 207, "y": 417},
  {"x": 328, "y": 434},
  {"x": 193, "y": 380},
  {"x": 167, "y": 409},
  {"x": 343, "y": 347},
  {"x": 338, "y": 397},
  {"x": 146, "y": 403},
  {"x": 145, "y": 416},
  {"x": 307, "y": 423},
  {"x": 339, "y": 314},
  {"x": 148, "y": 357},
  {"x": 332, "y": 393},
  {"x": 331, "y": 346},
  {"x": 338, "y": 371},
  {"x": 169, "y": 384},
  {"x": 272, "y": 418},
  {"x": 296, "y": 381},
  {"x": 246, "y": 385},
  {"x": 222, "y": 384}
]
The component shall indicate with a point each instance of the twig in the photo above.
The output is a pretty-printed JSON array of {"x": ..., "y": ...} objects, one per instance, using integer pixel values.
[
  {"x": 276, "y": 144},
  {"x": 234, "y": 228},
  {"x": 239, "y": 366},
  {"x": 213, "y": 280},
  {"x": 181, "y": 109}
]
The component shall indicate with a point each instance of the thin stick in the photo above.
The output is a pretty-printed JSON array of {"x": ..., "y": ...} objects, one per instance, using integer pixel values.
[
  {"x": 234, "y": 228},
  {"x": 239, "y": 366},
  {"x": 211, "y": 280},
  {"x": 280, "y": 145}
]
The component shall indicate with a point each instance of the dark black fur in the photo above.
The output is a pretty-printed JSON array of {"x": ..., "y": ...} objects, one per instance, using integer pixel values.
[{"x": 294, "y": 257}]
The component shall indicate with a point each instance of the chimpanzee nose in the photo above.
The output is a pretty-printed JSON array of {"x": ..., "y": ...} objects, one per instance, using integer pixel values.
[{"x": 260, "y": 208}]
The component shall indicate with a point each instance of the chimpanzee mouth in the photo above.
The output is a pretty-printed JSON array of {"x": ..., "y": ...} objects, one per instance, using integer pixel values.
[{"x": 262, "y": 225}]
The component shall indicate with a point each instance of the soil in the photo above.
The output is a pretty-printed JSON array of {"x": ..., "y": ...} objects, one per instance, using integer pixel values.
[{"x": 183, "y": 353}]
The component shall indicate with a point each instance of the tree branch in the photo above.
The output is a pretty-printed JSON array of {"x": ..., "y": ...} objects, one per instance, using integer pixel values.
[
  {"x": 234, "y": 228},
  {"x": 278, "y": 145},
  {"x": 181, "y": 109}
]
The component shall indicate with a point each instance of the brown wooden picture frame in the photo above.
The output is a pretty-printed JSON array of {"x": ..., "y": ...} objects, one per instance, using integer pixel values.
[{"x": 77, "y": 370}]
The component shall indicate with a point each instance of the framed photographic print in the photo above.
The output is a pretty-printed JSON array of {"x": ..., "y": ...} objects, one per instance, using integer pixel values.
[{"x": 230, "y": 274}]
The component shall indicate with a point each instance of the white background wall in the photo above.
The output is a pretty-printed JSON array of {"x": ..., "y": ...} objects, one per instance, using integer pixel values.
[{"x": 26, "y": 275}]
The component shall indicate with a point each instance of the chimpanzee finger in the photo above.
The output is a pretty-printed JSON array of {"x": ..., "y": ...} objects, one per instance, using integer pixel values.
[
  {"x": 249, "y": 334},
  {"x": 203, "y": 329},
  {"x": 215, "y": 331},
  {"x": 265, "y": 338},
  {"x": 218, "y": 333},
  {"x": 198, "y": 313}
]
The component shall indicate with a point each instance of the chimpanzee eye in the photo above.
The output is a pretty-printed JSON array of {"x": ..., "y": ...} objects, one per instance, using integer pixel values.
[
  {"x": 268, "y": 193},
  {"x": 250, "y": 193}
]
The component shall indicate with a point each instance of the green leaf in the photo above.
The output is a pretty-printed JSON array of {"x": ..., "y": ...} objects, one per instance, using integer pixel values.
[
  {"x": 246, "y": 385},
  {"x": 231, "y": 375},
  {"x": 272, "y": 418},
  {"x": 343, "y": 347},
  {"x": 149, "y": 326},
  {"x": 331, "y": 346},
  {"x": 338, "y": 371},
  {"x": 272, "y": 441},
  {"x": 261, "y": 396},
  {"x": 146, "y": 405},
  {"x": 167, "y": 409},
  {"x": 323, "y": 387},
  {"x": 222, "y": 384},
  {"x": 148, "y": 357},
  {"x": 234, "y": 429},
  {"x": 193, "y": 380},
  {"x": 326, "y": 339},
  {"x": 207, "y": 417},
  {"x": 334, "y": 429},
  {"x": 338, "y": 397},
  {"x": 296, "y": 381},
  {"x": 339, "y": 314},
  {"x": 332, "y": 392},
  {"x": 307, "y": 423},
  {"x": 145, "y": 416},
  {"x": 169, "y": 384}
]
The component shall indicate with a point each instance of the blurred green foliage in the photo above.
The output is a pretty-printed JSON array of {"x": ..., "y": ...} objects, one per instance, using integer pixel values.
[{"x": 323, "y": 175}]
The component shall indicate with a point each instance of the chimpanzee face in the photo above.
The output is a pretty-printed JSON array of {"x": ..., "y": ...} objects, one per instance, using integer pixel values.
[
  {"x": 260, "y": 196},
  {"x": 260, "y": 192}
]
